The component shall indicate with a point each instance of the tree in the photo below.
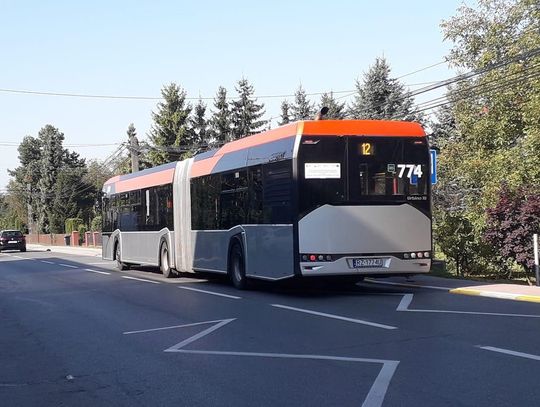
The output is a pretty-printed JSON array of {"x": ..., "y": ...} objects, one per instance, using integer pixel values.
[
  {"x": 511, "y": 224},
  {"x": 220, "y": 122},
  {"x": 246, "y": 112},
  {"x": 491, "y": 127},
  {"x": 199, "y": 127},
  {"x": 23, "y": 187},
  {"x": 169, "y": 134},
  {"x": 444, "y": 129},
  {"x": 302, "y": 108},
  {"x": 379, "y": 96},
  {"x": 336, "y": 110},
  {"x": 285, "y": 113},
  {"x": 50, "y": 164}
]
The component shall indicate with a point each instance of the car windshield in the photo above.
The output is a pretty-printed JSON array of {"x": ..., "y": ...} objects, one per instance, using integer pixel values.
[{"x": 11, "y": 234}]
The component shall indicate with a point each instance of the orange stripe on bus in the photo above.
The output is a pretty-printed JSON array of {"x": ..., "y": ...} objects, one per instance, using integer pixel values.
[
  {"x": 204, "y": 167},
  {"x": 362, "y": 128},
  {"x": 112, "y": 180},
  {"x": 279, "y": 133},
  {"x": 144, "y": 181}
]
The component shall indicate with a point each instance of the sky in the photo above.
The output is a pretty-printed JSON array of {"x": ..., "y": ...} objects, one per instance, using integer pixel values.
[{"x": 134, "y": 48}]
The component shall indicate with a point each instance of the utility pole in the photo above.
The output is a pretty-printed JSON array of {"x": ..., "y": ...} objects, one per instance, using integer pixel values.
[
  {"x": 536, "y": 266},
  {"x": 133, "y": 148},
  {"x": 29, "y": 209}
]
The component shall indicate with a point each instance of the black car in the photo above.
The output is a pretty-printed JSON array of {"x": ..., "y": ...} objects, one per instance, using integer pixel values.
[{"x": 12, "y": 240}]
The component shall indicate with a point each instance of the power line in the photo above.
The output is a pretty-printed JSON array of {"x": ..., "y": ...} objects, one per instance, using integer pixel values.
[{"x": 127, "y": 97}]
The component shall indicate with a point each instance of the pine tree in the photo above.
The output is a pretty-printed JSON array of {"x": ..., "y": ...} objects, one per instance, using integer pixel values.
[
  {"x": 169, "y": 133},
  {"x": 220, "y": 122},
  {"x": 285, "y": 113},
  {"x": 336, "y": 110},
  {"x": 381, "y": 97},
  {"x": 199, "y": 127},
  {"x": 246, "y": 112},
  {"x": 50, "y": 164},
  {"x": 302, "y": 108}
]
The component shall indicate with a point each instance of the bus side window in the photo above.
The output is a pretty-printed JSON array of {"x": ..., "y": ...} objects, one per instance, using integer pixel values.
[
  {"x": 233, "y": 199},
  {"x": 277, "y": 184},
  {"x": 255, "y": 190},
  {"x": 205, "y": 194}
]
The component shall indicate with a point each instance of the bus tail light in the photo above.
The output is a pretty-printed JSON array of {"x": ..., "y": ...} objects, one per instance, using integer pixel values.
[{"x": 316, "y": 257}]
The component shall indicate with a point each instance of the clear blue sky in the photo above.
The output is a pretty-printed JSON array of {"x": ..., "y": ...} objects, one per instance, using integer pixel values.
[{"x": 135, "y": 47}]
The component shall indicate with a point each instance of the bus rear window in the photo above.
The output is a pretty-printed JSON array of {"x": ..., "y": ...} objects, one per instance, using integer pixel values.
[{"x": 361, "y": 170}]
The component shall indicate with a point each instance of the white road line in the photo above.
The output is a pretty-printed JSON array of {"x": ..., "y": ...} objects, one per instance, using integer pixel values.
[
  {"x": 510, "y": 352},
  {"x": 174, "y": 326},
  {"x": 68, "y": 265},
  {"x": 19, "y": 257},
  {"x": 433, "y": 287},
  {"x": 374, "y": 398},
  {"x": 141, "y": 279},
  {"x": 407, "y": 299},
  {"x": 211, "y": 292},
  {"x": 322, "y": 314},
  {"x": 96, "y": 271},
  {"x": 47, "y": 262},
  {"x": 101, "y": 262},
  {"x": 193, "y": 338}
]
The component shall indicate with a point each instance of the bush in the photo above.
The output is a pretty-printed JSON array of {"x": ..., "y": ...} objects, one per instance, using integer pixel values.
[
  {"x": 82, "y": 229},
  {"x": 73, "y": 224},
  {"x": 96, "y": 224}
]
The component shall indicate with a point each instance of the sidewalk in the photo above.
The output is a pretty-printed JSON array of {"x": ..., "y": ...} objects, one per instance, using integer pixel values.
[
  {"x": 505, "y": 291},
  {"x": 515, "y": 292},
  {"x": 77, "y": 250}
]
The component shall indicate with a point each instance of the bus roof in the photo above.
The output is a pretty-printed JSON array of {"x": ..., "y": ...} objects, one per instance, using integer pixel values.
[
  {"x": 206, "y": 163},
  {"x": 235, "y": 151}
]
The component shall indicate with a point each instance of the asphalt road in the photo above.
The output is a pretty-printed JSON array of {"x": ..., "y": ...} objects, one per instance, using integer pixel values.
[{"x": 76, "y": 332}]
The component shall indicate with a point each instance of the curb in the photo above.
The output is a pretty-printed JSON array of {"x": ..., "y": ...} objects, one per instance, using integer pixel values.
[{"x": 496, "y": 294}]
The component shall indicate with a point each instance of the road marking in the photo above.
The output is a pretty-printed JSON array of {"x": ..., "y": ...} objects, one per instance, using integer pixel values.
[
  {"x": 101, "y": 262},
  {"x": 510, "y": 352},
  {"x": 407, "y": 299},
  {"x": 211, "y": 292},
  {"x": 68, "y": 265},
  {"x": 48, "y": 262},
  {"x": 141, "y": 279},
  {"x": 374, "y": 398},
  {"x": 175, "y": 326},
  {"x": 19, "y": 257},
  {"x": 199, "y": 335},
  {"x": 96, "y": 271},
  {"x": 322, "y": 314},
  {"x": 433, "y": 287}
]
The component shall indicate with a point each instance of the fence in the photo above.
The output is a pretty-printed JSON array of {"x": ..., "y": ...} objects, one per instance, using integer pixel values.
[{"x": 90, "y": 239}]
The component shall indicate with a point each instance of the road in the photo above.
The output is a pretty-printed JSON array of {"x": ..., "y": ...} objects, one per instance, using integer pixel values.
[{"x": 74, "y": 331}]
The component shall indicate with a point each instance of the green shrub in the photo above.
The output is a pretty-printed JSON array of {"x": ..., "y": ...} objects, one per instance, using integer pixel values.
[
  {"x": 96, "y": 224},
  {"x": 73, "y": 224},
  {"x": 82, "y": 229}
]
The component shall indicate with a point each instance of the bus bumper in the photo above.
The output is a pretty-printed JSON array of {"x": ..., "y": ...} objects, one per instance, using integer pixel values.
[{"x": 343, "y": 266}]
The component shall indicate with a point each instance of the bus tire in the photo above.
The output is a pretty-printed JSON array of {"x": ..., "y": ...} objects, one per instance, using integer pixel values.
[
  {"x": 121, "y": 266},
  {"x": 237, "y": 266},
  {"x": 164, "y": 264}
]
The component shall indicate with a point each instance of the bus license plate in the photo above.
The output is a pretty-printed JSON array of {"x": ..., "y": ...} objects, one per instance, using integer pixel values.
[{"x": 362, "y": 263}]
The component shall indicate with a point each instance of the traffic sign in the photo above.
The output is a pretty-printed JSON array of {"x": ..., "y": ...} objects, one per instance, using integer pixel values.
[{"x": 433, "y": 168}]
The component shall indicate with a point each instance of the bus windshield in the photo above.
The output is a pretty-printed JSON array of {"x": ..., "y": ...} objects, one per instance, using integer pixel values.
[{"x": 362, "y": 170}]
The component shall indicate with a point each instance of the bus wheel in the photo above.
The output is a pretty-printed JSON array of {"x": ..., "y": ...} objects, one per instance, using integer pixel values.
[
  {"x": 121, "y": 266},
  {"x": 237, "y": 269},
  {"x": 164, "y": 265}
]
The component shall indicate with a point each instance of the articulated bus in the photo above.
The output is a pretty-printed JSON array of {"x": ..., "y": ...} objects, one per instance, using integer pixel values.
[{"x": 311, "y": 198}]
